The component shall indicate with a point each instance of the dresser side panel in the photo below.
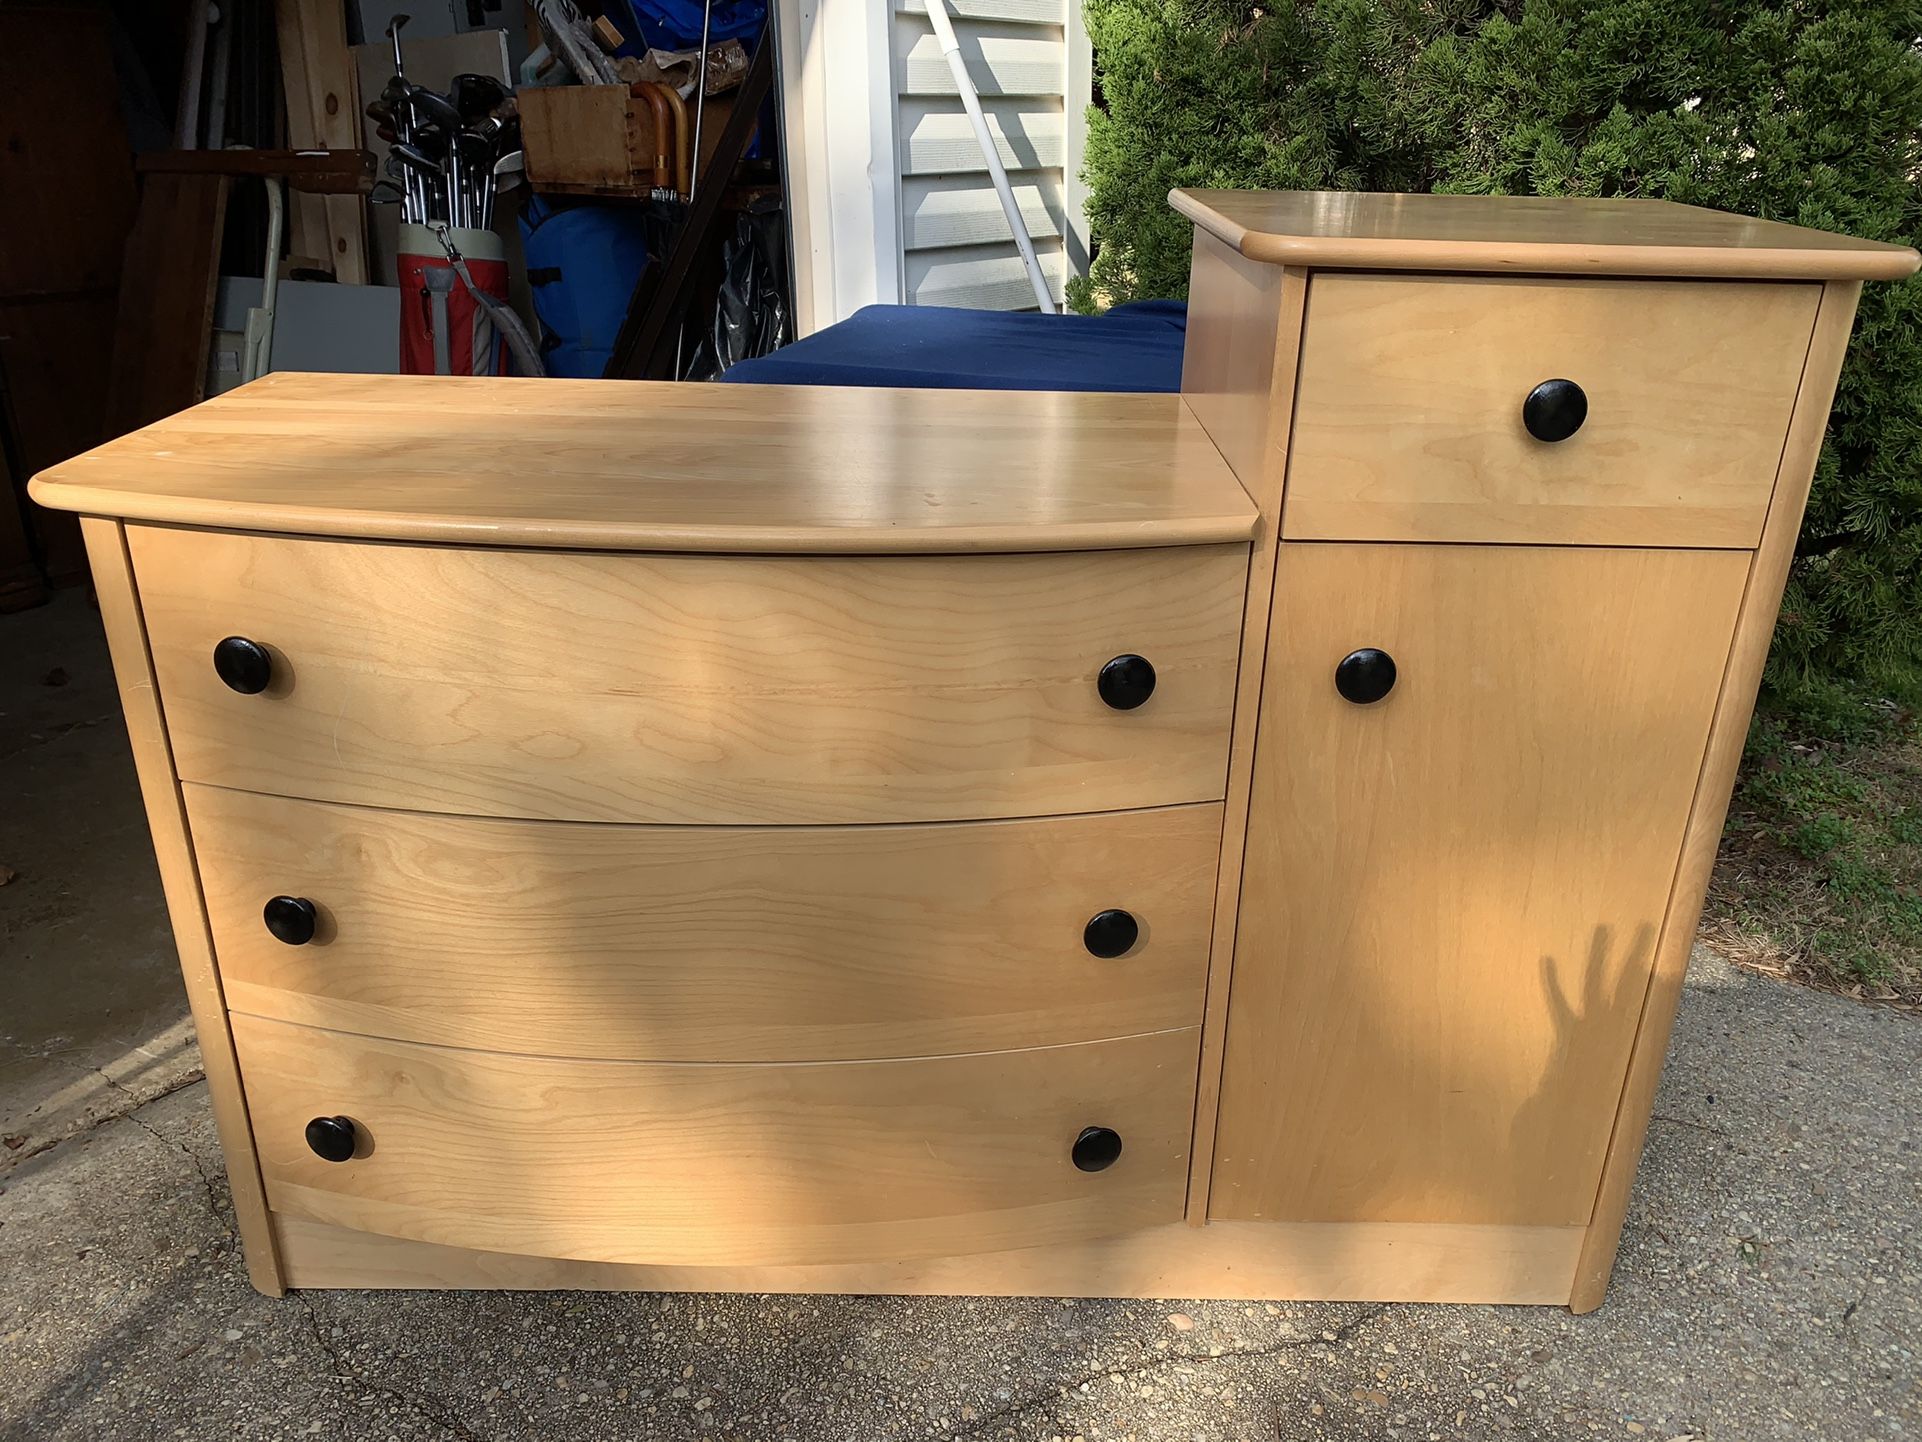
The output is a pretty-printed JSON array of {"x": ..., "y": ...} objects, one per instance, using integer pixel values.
[
  {"x": 1243, "y": 319},
  {"x": 180, "y": 881},
  {"x": 1754, "y": 628},
  {"x": 1248, "y": 378}
]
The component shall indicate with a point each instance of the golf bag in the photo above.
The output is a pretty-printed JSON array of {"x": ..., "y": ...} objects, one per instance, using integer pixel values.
[{"x": 443, "y": 330}]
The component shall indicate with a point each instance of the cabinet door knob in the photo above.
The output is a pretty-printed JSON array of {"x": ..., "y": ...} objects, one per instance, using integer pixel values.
[
  {"x": 1110, "y": 933},
  {"x": 332, "y": 1139},
  {"x": 1365, "y": 676},
  {"x": 291, "y": 919},
  {"x": 246, "y": 666},
  {"x": 1555, "y": 410},
  {"x": 1126, "y": 681},
  {"x": 1096, "y": 1149}
]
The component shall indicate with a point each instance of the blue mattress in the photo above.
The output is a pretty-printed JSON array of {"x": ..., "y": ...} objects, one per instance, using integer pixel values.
[{"x": 1134, "y": 347}]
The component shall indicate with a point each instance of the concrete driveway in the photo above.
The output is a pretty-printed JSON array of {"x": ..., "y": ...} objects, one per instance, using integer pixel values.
[{"x": 1770, "y": 1285}]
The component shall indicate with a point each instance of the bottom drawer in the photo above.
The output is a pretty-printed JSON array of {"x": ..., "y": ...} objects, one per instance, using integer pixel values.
[{"x": 721, "y": 1163}]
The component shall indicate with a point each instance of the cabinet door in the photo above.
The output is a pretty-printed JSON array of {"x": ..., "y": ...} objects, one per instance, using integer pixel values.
[{"x": 1452, "y": 894}]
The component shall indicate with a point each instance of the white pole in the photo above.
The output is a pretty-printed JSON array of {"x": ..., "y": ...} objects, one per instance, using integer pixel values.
[
  {"x": 221, "y": 64},
  {"x": 257, "y": 353},
  {"x": 971, "y": 102},
  {"x": 192, "y": 68}
]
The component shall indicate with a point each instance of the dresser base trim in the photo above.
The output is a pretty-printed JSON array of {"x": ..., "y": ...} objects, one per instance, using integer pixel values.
[{"x": 1282, "y": 1261}]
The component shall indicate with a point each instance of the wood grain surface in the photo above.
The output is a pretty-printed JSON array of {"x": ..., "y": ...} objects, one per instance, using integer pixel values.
[
  {"x": 1563, "y": 235},
  {"x": 1244, "y": 345},
  {"x": 725, "y": 690},
  {"x": 1451, "y": 896},
  {"x": 738, "y": 1164},
  {"x": 1409, "y": 420},
  {"x": 789, "y": 943},
  {"x": 1244, "y": 323},
  {"x": 642, "y": 466},
  {"x": 1755, "y": 628},
  {"x": 1262, "y": 1261},
  {"x": 180, "y": 884}
]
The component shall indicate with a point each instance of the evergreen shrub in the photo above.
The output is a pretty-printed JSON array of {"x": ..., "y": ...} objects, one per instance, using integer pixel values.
[{"x": 1809, "y": 112}]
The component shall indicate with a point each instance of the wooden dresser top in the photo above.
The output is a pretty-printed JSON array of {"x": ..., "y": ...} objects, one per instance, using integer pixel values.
[
  {"x": 617, "y": 465},
  {"x": 1526, "y": 233}
]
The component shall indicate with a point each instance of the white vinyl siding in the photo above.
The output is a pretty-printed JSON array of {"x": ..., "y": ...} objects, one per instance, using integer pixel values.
[{"x": 956, "y": 248}]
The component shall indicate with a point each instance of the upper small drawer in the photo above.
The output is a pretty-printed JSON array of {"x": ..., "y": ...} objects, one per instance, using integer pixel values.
[
  {"x": 686, "y": 688},
  {"x": 1409, "y": 422}
]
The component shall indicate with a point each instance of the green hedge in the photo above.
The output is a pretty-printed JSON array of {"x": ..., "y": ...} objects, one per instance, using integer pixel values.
[{"x": 1806, "y": 112}]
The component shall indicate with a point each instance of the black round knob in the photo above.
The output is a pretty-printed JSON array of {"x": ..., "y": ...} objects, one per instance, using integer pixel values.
[
  {"x": 246, "y": 666},
  {"x": 1555, "y": 410},
  {"x": 1365, "y": 676},
  {"x": 1096, "y": 1149},
  {"x": 1110, "y": 933},
  {"x": 332, "y": 1138},
  {"x": 291, "y": 919},
  {"x": 1126, "y": 681}
]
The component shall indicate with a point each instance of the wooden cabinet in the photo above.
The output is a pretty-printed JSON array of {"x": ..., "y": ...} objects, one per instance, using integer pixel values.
[
  {"x": 1451, "y": 895},
  {"x": 1240, "y": 844},
  {"x": 1535, "y": 471}
]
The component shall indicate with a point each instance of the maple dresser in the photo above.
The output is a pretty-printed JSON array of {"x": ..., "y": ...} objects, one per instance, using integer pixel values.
[{"x": 1243, "y": 843}]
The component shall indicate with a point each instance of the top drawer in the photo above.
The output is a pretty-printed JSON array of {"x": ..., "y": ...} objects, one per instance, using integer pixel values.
[
  {"x": 703, "y": 689},
  {"x": 1408, "y": 420}
]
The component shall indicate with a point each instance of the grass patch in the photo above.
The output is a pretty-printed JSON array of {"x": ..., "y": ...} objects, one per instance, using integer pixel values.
[{"x": 1820, "y": 873}]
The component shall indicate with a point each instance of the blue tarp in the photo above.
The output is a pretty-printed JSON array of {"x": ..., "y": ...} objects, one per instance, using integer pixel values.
[
  {"x": 676, "y": 24},
  {"x": 1133, "y": 347}
]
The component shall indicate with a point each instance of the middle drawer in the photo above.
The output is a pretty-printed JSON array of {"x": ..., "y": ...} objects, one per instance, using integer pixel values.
[{"x": 709, "y": 943}]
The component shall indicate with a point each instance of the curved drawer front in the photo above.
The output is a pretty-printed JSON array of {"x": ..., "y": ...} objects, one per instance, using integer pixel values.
[
  {"x": 737, "y": 1164},
  {"x": 1410, "y": 422},
  {"x": 708, "y": 943},
  {"x": 694, "y": 689}
]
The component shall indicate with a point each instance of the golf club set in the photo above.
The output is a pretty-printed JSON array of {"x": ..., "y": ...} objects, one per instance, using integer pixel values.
[{"x": 449, "y": 155}]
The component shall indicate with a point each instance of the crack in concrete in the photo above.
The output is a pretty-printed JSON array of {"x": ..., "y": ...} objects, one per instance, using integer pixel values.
[
  {"x": 1042, "y": 1398},
  {"x": 1685, "y": 1122},
  {"x": 10, "y": 1160},
  {"x": 432, "y": 1409},
  {"x": 221, "y": 1212}
]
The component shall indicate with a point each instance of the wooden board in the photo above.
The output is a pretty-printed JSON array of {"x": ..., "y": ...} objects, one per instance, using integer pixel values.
[
  {"x": 21, "y": 584},
  {"x": 313, "y": 172},
  {"x": 1410, "y": 409},
  {"x": 179, "y": 882},
  {"x": 1243, "y": 322},
  {"x": 1307, "y": 1261},
  {"x": 323, "y": 110},
  {"x": 708, "y": 943},
  {"x": 672, "y": 467},
  {"x": 1238, "y": 376},
  {"x": 1552, "y": 235},
  {"x": 65, "y": 166},
  {"x": 1451, "y": 896},
  {"x": 695, "y": 689},
  {"x": 739, "y": 1164},
  {"x": 165, "y": 322},
  {"x": 66, "y": 172},
  {"x": 54, "y": 350}
]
